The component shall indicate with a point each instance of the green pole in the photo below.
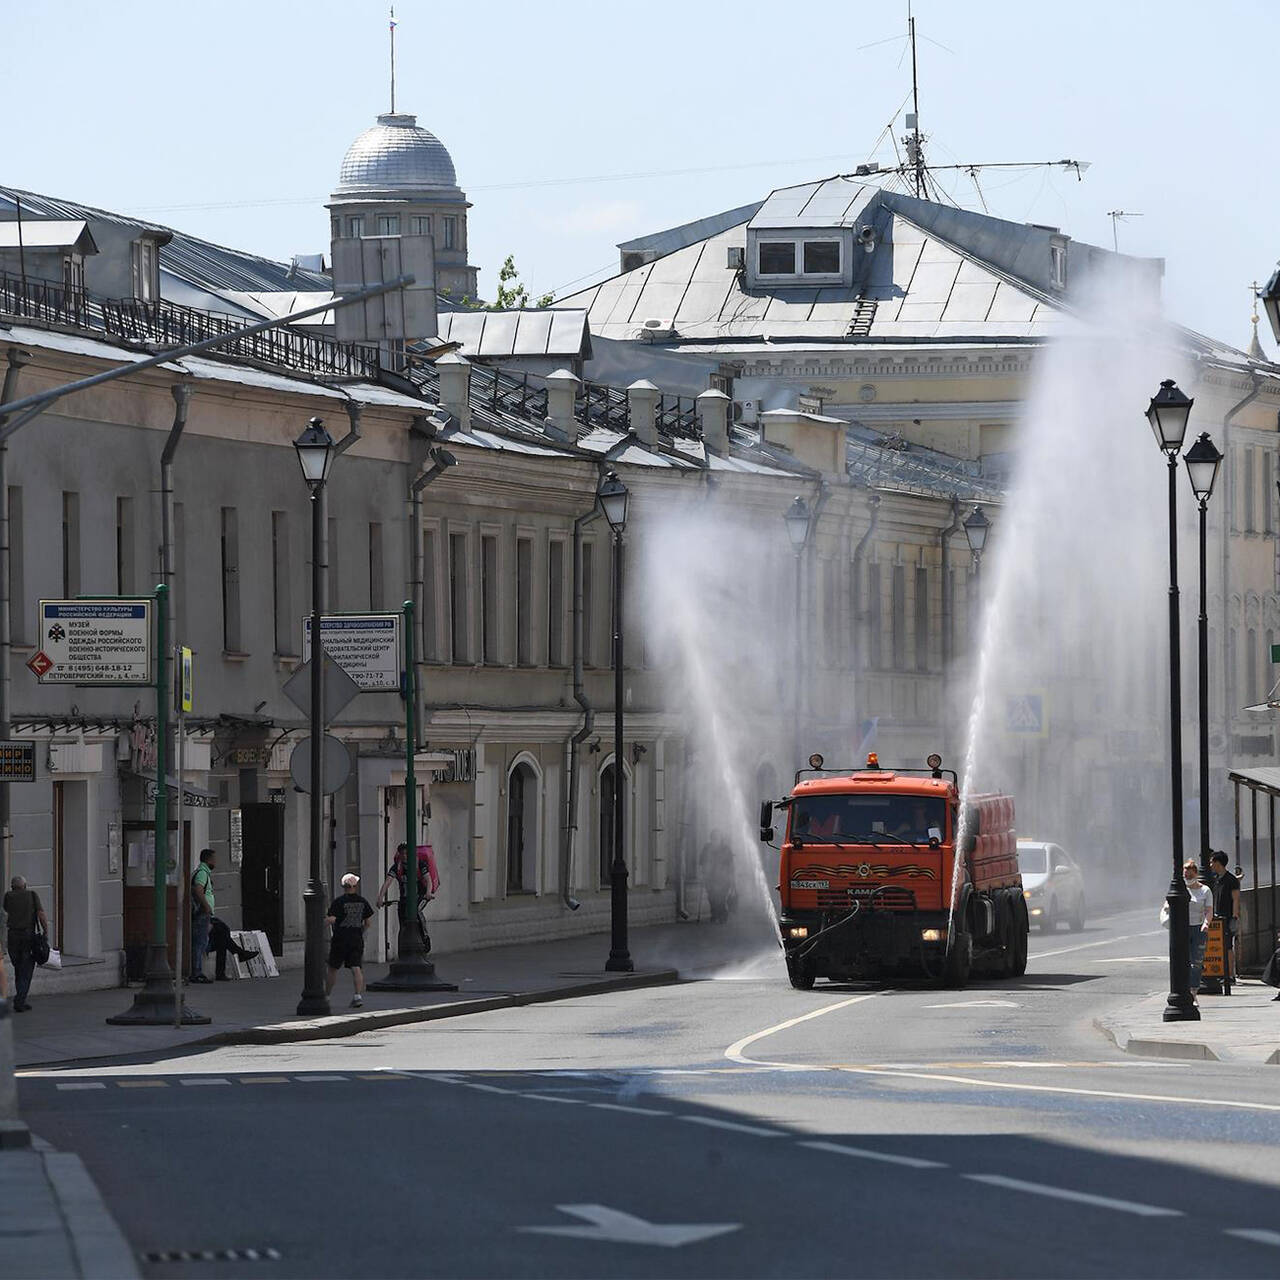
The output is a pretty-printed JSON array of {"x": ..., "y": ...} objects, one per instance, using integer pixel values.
[
  {"x": 162, "y": 778},
  {"x": 410, "y": 782}
]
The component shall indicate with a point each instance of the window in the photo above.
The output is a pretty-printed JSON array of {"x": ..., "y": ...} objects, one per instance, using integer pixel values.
[
  {"x": 522, "y": 830},
  {"x": 898, "y": 618},
  {"x": 461, "y": 651},
  {"x": 777, "y": 258},
  {"x": 1251, "y": 665},
  {"x": 73, "y": 273},
  {"x": 230, "y": 537},
  {"x": 822, "y": 257},
  {"x": 146, "y": 270},
  {"x": 450, "y": 232},
  {"x": 875, "y": 653},
  {"x": 376, "y": 593},
  {"x": 388, "y": 224},
  {"x": 922, "y": 618},
  {"x": 430, "y": 606},
  {"x": 124, "y": 546},
  {"x": 335, "y": 228},
  {"x": 331, "y": 567},
  {"x": 355, "y": 226},
  {"x": 1249, "y": 487},
  {"x": 1058, "y": 265},
  {"x": 420, "y": 224},
  {"x": 489, "y": 599},
  {"x": 588, "y": 604},
  {"x": 524, "y": 602},
  {"x": 70, "y": 545},
  {"x": 555, "y": 604},
  {"x": 17, "y": 587},
  {"x": 280, "y": 611}
]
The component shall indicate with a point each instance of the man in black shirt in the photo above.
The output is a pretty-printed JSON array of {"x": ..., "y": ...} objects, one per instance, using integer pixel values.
[
  {"x": 1226, "y": 907},
  {"x": 349, "y": 915}
]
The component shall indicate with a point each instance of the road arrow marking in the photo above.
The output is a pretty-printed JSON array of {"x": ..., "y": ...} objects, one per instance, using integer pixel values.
[{"x": 615, "y": 1227}]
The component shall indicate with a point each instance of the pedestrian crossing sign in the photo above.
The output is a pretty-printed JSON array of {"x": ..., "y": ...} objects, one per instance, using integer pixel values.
[{"x": 1026, "y": 715}]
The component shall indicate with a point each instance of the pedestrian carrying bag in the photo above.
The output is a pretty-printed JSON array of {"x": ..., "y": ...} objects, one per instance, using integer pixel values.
[{"x": 40, "y": 947}]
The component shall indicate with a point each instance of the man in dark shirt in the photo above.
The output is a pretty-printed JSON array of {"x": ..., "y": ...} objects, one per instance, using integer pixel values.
[
  {"x": 1226, "y": 907},
  {"x": 349, "y": 915},
  {"x": 22, "y": 906}
]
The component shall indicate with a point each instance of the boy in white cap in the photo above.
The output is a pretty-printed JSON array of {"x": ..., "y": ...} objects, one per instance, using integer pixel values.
[{"x": 349, "y": 915}]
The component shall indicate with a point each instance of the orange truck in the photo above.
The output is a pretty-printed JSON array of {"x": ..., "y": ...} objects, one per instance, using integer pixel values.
[{"x": 868, "y": 869}]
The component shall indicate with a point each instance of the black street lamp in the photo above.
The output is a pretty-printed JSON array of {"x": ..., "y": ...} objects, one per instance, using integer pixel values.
[
  {"x": 315, "y": 448},
  {"x": 1168, "y": 413},
  {"x": 1271, "y": 301},
  {"x": 798, "y": 520},
  {"x": 976, "y": 528},
  {"x": 612, "y": 496},
  {"x": 1203, "y": 461}
]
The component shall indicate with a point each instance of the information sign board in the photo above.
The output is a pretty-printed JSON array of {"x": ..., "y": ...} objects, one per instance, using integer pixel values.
[
  {"x": 95, "y": 642},
  {"x": 183, "y": 679},
  {"x": 365, "y": 645},
  {"x": 17, "y": 761},
  {"x": 1215, "y": 952}
]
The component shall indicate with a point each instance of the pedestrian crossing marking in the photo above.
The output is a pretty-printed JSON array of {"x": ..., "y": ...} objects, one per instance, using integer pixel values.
[{"x": 142, "y": 1084}]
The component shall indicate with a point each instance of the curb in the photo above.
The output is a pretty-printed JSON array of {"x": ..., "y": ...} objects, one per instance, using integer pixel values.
[
  {"x": 343, "y": 1025},
  {"x": 1181, "y": 1049},
  {"x": 99, "y": 1246}
]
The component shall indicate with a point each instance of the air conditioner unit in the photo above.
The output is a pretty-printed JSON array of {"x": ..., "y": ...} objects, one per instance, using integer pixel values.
[
  {"x": 657, "y": 329},
  {"x": 746, "y": 411},
  {"x": 736, "y": 257}
]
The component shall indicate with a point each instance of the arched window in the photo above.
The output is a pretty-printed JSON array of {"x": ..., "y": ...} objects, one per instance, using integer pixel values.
[{"x": 522, "y": 830}]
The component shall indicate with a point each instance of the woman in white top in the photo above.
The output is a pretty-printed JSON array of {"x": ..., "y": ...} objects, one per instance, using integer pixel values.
[{"x": 1199, "y": 913}]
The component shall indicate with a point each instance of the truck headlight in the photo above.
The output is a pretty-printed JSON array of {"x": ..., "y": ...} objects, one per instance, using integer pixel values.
[
  {"x": 932, "y": 935},
  {"x": 798, "y": 931}
]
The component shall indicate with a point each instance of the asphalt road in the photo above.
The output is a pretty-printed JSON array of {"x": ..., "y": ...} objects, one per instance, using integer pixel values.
[{"x": 724, "y": 1127}]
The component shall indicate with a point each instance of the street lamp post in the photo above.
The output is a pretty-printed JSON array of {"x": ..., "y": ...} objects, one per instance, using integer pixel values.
[
  {"x": 315, "y": 448},
  {"x": 976, "y": 528},
  {"x": 612, "y": 496},
  {"x": 1203, "y": 461},
  {"x": 1168, "y": 413},
  {"x": 798, "y": 520}
]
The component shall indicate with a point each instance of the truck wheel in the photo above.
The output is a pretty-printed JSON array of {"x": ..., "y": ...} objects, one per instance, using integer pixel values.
[
  {"x": 959, "y": 962},
  {"x": 801, "y": 973},
  {"x": 1009, "y": 921},
  {"x": 1021, "y": 931}
]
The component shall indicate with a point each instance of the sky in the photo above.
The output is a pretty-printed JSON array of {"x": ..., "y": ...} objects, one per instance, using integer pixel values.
[{"x": 575, "y": 125}]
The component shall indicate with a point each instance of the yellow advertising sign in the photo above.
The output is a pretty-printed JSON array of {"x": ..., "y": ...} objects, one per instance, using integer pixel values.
[
  {"x": 184, "y": 679},
  {"x": 1215, "y": 953}
]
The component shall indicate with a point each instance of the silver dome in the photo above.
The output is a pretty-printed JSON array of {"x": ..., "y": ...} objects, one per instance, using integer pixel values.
[{"x": 396, "y": 154}]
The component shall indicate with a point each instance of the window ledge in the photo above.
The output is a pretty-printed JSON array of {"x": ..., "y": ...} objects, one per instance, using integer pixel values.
[{"x": 235, "y": 655}]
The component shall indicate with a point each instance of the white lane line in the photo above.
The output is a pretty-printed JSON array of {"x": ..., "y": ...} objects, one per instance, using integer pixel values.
[
  {"x": 976, "y": 1004},
  {"x": 712, "y": 1123},
  {"x": 322, "y": 1079},
  {"x": 1084, "y": 946},
  {"x": 630, "y": 1111},
  {"x": 1259, "y": 1235},
  {"x": 83, "y": 1085},
  {"x": 911, "y": 1162},
  {"x": 1077, "y": 1197},
  {"x": 1128, "y": 959},
  {"x": 201, "y": 1080},
  {"x": 550, "y": 1097},
  {"x": 734, "y": 1051}
]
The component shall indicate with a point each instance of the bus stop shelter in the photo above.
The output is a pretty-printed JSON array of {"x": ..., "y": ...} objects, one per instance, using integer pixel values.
[{"x": 1256, "y": 792}]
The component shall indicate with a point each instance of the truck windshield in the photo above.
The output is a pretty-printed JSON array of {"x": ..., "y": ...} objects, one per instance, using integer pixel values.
[{"x": 849, "y": 818}]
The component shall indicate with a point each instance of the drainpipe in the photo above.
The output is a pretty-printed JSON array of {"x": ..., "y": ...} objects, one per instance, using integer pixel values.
[
  {"x": 1230, "y": 700},
  {"x": 588, "y": 716},
  {"x": 16, "y": 360}
]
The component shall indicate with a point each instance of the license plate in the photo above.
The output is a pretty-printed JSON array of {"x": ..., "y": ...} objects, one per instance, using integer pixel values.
[{"x": 811, "y": 884}]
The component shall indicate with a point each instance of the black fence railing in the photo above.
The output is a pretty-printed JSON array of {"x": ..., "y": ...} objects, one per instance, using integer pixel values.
[
  {"x": 501, "y": 392},
  {"x": 678, "y": 416},
  {"x": 598, "y": 405},
  {"x": 47, "y": 301}
]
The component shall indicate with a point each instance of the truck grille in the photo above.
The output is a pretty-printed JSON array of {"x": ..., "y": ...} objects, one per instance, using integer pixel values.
[{"x": 887, "y": 897}]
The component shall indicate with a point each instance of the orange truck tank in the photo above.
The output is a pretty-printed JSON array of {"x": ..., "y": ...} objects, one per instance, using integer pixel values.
[{"x": 867, "y": 872}]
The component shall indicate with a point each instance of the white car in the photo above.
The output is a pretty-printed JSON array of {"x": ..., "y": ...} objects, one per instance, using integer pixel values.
[{"x": 1052, "y": 885}]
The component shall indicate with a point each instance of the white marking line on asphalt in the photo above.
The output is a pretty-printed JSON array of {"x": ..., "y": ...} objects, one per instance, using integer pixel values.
[
  {"x": 1077, "y": 1197},
  {"x": 735, "y": 1050},
  {"x": 83, "y": 1085},
  {"x": 712, "y": 1123},
  {"x": 1128, "y": 959},
  {"x": 976, "y": 1004},
  {"x": 550, "y": 1097},
  {"x": 1084, "y": 946},
  {"x": 199, "y": 1080},
  {"x": 631, "y": 1111},
  {"x": 911, "y": 1162},
  {"x": 321, "y": 1079},
  {"x": 485, "y": 1088},
  {"x": 1259, "y": 1235}
]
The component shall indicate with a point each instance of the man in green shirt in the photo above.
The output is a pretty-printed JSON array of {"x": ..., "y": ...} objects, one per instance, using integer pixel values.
[{"x": 201, "y": 914}]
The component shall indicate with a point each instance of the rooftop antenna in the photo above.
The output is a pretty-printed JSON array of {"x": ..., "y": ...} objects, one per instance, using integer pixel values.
[
  {"x": 393, "y": 59},
  {"x": 1115, "y": 215},
  {"x": 915, "y": 144}
]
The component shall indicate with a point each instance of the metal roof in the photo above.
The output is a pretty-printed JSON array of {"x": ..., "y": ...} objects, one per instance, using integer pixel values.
[
  {"x": 397, "y": 155},
  {"x": 834, "y": 202},
  {"x": 664, "y": 242},
  {"x": 48, "y": 233},
  {"x": 497, "y": 335}
]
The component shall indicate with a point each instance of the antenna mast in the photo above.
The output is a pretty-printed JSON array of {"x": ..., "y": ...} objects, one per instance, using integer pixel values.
[
  {"x": 393, "y": 59},
  {"x": 915, "y": 147},
  {"x": 1115, "y": 215}
]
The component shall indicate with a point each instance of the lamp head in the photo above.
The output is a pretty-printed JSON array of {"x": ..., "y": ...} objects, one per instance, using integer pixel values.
[
  {"x": 315, "y": 452},
  {"x": 1203, "y": 461},
  {"x": 976, "y": 528},
  {"x": 1270, "y": 296},
  {"x": 612, "y": 496},
  {"x": 1168, "y": 413},
  {"x": 798, "y": 520}
]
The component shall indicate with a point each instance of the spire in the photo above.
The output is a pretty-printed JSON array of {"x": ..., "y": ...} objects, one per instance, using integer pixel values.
[
  {"x": 1255, "y": 347},
  {"x": 393, "y": 59}
]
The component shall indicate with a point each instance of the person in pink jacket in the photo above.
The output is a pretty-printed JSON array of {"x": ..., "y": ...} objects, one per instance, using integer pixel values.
[{"x": 428, "y": 885}]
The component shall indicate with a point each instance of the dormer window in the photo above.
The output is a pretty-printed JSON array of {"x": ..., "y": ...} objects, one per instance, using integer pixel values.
[
  {"x": 818, "y": 258},
  {"x": 1058, "y": 264},
  {"x": 145, "y": 269},
  {"x": 822, "y": 257},
  {"x": 777, "y": 258}
]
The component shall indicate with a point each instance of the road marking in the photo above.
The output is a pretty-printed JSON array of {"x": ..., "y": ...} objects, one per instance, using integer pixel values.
[
  {"x": 735, "y": 1050},
  {"x": 1084, "y": 946},
  {"x": 1259, "y": 1235},
  {"x": 192, "y": 1081},
  {"x": 383, "y": 1075},
  {"x": 142, "y": 1084},
  {"x": 322, "y": 1079},
  {"x": 485, "y": 1088},
  {"x": 911, "y": 1162},
  {"x": 713, "y": 1123},
  {"x": 550, "y": 1097},
  {"x": 977, "y": 1004},
  {"x": 264, "y": 1080},
  {"x": 1077, "y": 1197},
  {"x": 1129, "y": 960},
  {"x": 622, "y": 1228},
  {"x": 81, "y": 1084},
  {"x": 631, "y": 1111}
]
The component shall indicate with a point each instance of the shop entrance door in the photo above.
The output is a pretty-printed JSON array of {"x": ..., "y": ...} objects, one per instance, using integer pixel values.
[{"x": 262, "y": 871}]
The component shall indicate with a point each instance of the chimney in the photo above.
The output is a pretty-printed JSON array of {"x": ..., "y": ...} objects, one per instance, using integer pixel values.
[
  {"x": 713, "y": 412},
  {"x": 642, "y": 403},
  {"x": 562, "y": 394},
  {"x": 454, "y": 372}
]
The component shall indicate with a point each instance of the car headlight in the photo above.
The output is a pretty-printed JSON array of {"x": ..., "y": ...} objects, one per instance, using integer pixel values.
[
  {"x": 932, "y": 935},
  {"x": 797, "y": 931}
]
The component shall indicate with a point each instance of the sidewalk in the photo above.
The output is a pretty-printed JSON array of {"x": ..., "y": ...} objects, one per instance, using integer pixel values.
[
  {"x": 1242, "y": 1027},
  {"x": 61, "y": 1029}
]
